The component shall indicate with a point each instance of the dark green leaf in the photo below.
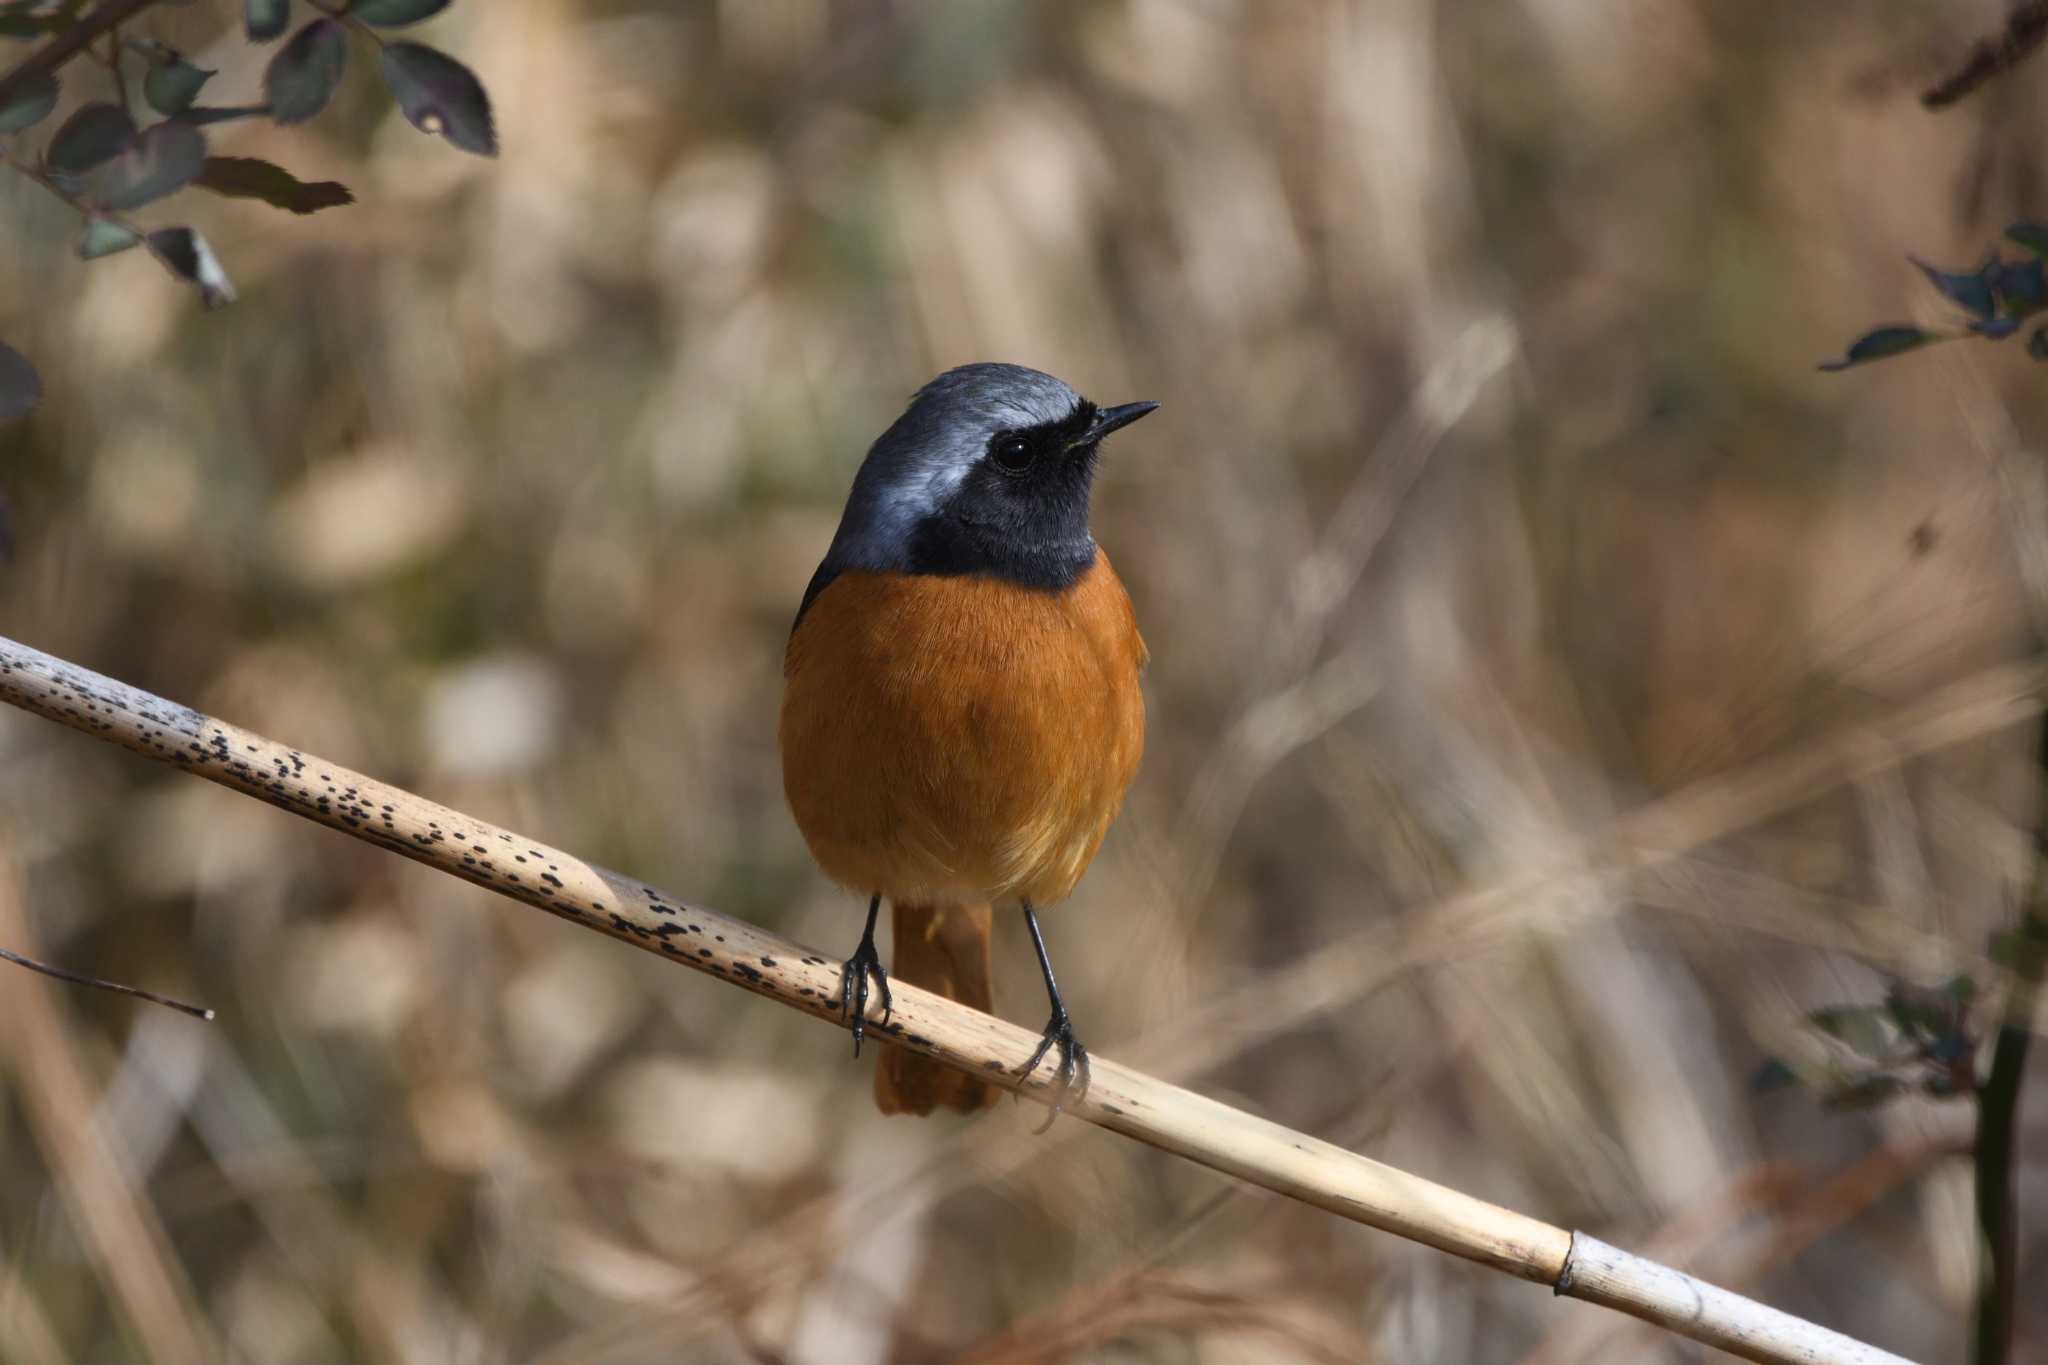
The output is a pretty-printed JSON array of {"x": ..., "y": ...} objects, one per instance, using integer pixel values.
[
  {"x": 246, "y": 177},
  {"x": 303, "y": 75},
  {"x": 1885, "y": 341},
  {"x": 171, "y": 86},
  {"x": 1862, "y": 1027},
  {"x": 266, "y": 18},
  {"x": 187, "y": 253},
  {"x": 2024, "y": 954},
  {"x": 30, "y": 103},
  {"x": 221, "y": 113},
  {"x": 2032, "y": 236},
  {"x": 1773, "y": 1075},
  {"x": 1971, "y": 293},
  {"x": 20, "y": 389},
  {"x": 439, "y": 95},
  {"x": 96, "y": 133},
  {"x": 162, "y": 160},
  {"x": 103, "y": 238},
  {"x": 395, "y": 13},
  {"x": 2022, "y": 286}
]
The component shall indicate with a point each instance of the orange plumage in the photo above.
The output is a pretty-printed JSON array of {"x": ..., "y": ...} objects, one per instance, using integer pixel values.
[
  {"x": 961, "y": 739},
  {"x": 948, "y": 742}
]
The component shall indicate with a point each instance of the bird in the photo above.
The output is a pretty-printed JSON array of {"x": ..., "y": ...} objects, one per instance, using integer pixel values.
[{"x": 962, "y": 711}]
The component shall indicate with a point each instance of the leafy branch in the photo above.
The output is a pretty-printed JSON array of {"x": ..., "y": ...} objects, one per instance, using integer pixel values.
[
  {"x": 1995, "y": 301},
  {"x": 105, "y": 165}
]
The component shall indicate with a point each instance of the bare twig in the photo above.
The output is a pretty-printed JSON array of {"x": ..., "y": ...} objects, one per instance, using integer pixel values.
[
  {"x": 112, "y": 1217},
  {"x": 196, "y": 1011},
  {"x": 2025, "y": 30},
  {"x": 1121, "y": 1099}
]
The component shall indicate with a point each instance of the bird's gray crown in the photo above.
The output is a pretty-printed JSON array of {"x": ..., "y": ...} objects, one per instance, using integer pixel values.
[
  {"x": 987, "y": 473},
  {"x": 915, "y": 466}
]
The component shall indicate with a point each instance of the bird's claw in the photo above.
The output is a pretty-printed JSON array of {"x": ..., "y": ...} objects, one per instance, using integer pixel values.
[
  {"x": 1070, "y": 1083},
  {"x": 853, "y": 989}
]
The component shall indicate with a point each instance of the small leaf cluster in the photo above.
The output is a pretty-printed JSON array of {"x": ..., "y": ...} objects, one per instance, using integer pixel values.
[
  {"x": 1921, "y": 1040},
  {"x": 106, "y": 164},
  {"x": 1996, "y": 299}
]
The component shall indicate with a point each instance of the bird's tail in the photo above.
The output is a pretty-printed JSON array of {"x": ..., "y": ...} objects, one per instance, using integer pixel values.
[{"x": 943, "y": 948}]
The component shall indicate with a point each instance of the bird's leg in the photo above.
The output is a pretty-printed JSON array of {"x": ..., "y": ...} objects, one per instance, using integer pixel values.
[
  {"x": 1072, "y": 1081},
  {"x": 853, "y": 979}
]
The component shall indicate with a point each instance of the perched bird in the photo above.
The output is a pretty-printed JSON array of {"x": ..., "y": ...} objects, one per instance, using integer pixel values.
[{"x": 961, "y": 713}]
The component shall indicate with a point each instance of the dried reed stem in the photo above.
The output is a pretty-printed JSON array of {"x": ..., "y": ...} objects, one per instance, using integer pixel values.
[{"x": 1126, "y": 1101}]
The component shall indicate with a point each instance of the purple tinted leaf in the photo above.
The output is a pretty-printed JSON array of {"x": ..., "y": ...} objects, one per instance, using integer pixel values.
[
  {"x": 1885, "y": 341},
  {"x": 302, "y": 77},
  {"x": 1996, "y": 329},
  {"x": 20, "y": 389},
  {"x": 171, "y": 86},
  {"x": 30, "y": 102},
  {"x": 1971, "y": 293},
  {"x": 395, "y": 13},
  {"x": 266, "y": 18},
  {"x": 188, "y": 255},
  {"x": 97, "y": 133},
  {"x": 439, "y": 95},
  {"x": 162, "y": 160},
  {"x": 2022, "y": 287},
  {"x": 246, "y": 177}
]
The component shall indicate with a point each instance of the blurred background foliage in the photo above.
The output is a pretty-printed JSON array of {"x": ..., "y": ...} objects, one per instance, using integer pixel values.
[{"x": 1494, "y": 494}]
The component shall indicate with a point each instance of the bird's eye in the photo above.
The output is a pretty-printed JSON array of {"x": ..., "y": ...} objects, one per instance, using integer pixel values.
[{"x": 1012, "y": 454}]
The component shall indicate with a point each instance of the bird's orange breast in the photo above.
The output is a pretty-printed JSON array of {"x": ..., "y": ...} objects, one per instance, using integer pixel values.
[{"x": 957, "y": 739}]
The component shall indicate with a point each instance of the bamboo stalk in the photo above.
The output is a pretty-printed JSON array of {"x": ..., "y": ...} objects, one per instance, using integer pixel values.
[{"x": 1121, "y": 1099}]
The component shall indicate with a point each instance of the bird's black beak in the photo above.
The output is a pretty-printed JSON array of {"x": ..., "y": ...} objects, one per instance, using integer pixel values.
[{"x": 1112, "y": 419}]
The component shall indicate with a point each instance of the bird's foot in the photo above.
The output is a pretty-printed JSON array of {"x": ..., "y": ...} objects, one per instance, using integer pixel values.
[
  {"x": 1070, "y": 1082},
  {"x": 853, "y": 988}
]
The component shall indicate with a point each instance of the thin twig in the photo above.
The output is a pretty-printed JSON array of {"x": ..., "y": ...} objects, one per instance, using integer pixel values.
[
  {"x": 196, "y": 1011},
  {"x": 2025, "y": 30},
  {"x": 1121, "y": 1099}
]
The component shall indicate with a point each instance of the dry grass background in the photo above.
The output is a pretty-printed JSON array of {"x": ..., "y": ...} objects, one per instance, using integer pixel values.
[{"x": 1494, "y": 495}]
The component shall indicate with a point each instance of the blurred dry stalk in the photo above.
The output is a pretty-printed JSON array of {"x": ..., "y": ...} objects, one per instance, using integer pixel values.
[{"x": 505, "y": 480}]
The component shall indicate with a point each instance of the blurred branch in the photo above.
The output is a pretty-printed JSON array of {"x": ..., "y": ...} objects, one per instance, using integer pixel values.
[
  {"x": 108, "y": 1213},
  {"x": 70, "y": 43},
  {"x": 2025, "y": 30},
  {"x": 1121, "y": 1099},
  {"x": 1998, "y": 1108},
  {"x": 196, "y": 1011}
]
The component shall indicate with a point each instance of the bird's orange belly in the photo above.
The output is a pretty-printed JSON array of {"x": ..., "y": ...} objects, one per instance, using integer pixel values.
[{"x": 961, "y": 739}]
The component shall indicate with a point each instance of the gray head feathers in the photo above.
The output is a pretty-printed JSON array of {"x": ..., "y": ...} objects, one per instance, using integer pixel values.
[{"x": 988, "y": 471}]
